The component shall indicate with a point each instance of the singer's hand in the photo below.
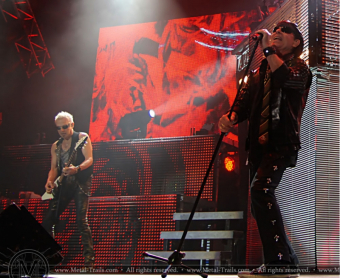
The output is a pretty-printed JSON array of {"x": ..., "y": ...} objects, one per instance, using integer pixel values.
[
  {"x": 225, "y": 124},
  {"x": 266, "y": 40}
]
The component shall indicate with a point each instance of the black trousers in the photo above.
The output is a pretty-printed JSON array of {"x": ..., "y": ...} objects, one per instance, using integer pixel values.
[
  {"x": 81, "y": 201},
  {"x": 266, "y": 174}
]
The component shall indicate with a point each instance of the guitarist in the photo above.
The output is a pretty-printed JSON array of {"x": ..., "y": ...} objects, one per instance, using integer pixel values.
[{"x": 76, "y": 181}]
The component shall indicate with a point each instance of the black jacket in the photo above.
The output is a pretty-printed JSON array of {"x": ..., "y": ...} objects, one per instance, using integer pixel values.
[{"x": 289, "y": 91}]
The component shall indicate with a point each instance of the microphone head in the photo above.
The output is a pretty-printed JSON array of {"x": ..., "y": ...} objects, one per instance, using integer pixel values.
[{"x": 257, "y": 37}]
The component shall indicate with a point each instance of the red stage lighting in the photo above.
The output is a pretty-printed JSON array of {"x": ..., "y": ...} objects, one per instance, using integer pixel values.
[{"x": 229, "y": 163}]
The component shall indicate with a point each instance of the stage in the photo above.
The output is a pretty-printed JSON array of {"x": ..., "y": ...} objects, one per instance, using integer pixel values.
[{"x": 110, "y": 66}]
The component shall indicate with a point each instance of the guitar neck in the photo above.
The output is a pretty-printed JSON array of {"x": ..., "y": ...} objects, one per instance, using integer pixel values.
[
  {"x": 79, "y": 144},
  {"x": 68, "y": 163}
]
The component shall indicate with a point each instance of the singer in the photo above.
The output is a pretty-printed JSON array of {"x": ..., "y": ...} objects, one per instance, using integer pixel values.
[{"x": 272, "y": 101}]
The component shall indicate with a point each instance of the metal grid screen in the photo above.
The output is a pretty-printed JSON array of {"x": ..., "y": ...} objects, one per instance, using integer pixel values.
[
  {"x": 174, "y": 165},
  {"x": 327, "y": 171},
  {"x": 122, "y": 228}
]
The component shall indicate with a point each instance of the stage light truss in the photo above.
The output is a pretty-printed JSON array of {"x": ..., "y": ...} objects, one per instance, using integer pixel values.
[{"x": 30, "y": 44}]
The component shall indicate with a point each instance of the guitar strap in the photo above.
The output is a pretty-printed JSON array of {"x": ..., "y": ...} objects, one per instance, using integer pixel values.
[
  {"x": 75, "y": 138},
  {"x": 58, "y": 153}
]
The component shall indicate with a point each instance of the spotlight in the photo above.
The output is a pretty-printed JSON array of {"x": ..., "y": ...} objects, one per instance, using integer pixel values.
[
  {"x": 152, "y": 113},
  {"x": 229, "y": 163},
  {"x": 134, "y": 125},
  {"x": 228, "y": 197}
]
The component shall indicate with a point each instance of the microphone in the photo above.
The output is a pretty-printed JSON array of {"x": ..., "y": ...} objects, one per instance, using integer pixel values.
[{"x": 257, "y": 37}]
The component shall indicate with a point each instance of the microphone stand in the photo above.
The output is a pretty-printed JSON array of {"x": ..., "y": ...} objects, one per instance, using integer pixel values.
[{"x": 175, "y": 259}]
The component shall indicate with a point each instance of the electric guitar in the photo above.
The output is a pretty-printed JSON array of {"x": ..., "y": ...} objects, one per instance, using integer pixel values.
[{"x": 59, "y": 180}]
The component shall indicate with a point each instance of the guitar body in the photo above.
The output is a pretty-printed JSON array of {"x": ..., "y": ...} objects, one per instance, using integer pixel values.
[
  {"x": 55, "y": 190},
  {"x": 60, "y": 184},
  {"x": 69, "y": 183}
]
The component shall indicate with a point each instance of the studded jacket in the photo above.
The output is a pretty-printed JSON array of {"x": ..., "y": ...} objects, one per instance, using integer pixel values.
[{"x": 289, "y": 91}]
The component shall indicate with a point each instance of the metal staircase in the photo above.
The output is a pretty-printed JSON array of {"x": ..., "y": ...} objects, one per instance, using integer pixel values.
[{"x": 227, "y": 239}]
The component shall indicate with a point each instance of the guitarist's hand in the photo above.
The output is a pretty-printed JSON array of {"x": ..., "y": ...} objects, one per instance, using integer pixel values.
[
  {"x": 49, "y": 186},
  {"x": 71, "y": 170}
]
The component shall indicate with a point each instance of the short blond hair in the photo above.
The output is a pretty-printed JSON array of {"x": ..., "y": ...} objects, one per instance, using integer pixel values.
[{"x": 63, "y": 115}]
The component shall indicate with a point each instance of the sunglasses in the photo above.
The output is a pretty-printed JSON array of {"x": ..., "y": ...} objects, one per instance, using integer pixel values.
[
  {"x": 284, "y": 29},
  {"x": 64, "y": 126}
]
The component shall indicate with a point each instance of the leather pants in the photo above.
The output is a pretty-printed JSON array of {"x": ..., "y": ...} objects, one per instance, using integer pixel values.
[
  {"x": 81, "y": 201},
  {"x": 265, "y": 176}
]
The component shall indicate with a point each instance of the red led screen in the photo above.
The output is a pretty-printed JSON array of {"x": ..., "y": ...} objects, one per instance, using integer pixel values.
[
  {"x": 174, "y": 165},
  {"x": 182, "y": 69},
  {"x": 156, "y": 166},
  {"x": 123, "y": 224},
  {"x": 122, "y": 227}
]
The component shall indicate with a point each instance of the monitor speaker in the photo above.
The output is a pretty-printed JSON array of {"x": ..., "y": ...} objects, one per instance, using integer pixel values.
[{"x": 19, "y": 231}]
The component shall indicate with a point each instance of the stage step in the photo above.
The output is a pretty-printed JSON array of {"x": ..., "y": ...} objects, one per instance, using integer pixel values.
[
  {"x": 215, "y": 215},
  {"x": 194, "y": 255},
  {"x": 202, "y": 235}
]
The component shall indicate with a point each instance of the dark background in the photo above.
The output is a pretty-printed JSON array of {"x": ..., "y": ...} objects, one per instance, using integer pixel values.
[{"x": 70, "y": 30}]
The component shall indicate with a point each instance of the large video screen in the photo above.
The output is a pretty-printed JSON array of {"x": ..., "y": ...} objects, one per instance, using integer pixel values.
[{"x": 181, "y": 70}]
